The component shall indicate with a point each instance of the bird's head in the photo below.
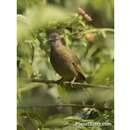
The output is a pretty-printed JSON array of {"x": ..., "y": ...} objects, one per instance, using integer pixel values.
[{"x": 53, "y": 37}]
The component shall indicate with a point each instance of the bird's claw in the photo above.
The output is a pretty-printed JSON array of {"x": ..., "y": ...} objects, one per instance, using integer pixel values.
[
  {"x": 60, "y": 81},
  {"x": 72, "y": 82}
]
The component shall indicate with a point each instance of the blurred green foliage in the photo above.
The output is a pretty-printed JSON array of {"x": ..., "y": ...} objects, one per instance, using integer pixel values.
[{"x": 92, "y": 42}]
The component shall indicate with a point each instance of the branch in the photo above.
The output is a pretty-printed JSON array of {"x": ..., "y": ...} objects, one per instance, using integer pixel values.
[
  {"x": 110, "y": 30},
  {"x": 74, "y": 85},
  {"x": 77, "y": 84},
  {"x": 60, "y": 105},
  {"x": 51, "y": 105}
]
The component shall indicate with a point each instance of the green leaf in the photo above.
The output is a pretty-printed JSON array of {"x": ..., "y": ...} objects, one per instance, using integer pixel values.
[{"x": 104, "y": 75}]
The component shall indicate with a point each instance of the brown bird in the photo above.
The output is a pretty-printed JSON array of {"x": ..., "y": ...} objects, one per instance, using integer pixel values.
[{"x": 64, "y": 61}]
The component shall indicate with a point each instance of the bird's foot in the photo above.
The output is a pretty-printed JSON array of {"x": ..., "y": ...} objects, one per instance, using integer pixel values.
[
  {"x": 72, "y": 82},
  {"x": 60, "y": 81}
]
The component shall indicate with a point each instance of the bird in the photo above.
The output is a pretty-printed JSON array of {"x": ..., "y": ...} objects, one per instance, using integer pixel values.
[{"x": 64, "y": 60}]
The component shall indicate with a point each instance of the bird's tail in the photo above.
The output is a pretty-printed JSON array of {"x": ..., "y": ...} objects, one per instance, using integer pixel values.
[{"x": 81, "y": 77}]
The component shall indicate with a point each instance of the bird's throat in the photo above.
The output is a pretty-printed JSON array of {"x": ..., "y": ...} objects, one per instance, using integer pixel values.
[{"x": 57, "y": 43}]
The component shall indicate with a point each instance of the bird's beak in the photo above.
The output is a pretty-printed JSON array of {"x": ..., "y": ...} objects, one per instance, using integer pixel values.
[{"x": 50, "y": 40}]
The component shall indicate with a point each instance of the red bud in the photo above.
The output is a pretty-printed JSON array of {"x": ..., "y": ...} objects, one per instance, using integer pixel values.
[
  {"x": 90, "y": 37},
  {"x": 84, "y": 14}
]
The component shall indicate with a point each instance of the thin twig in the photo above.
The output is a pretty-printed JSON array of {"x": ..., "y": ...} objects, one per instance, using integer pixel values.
[
  {"x": 94, "y": 30},
  {"x": 100, "y": 30}
]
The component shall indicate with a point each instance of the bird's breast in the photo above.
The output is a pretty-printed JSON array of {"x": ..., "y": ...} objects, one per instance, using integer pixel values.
[{"x": 62, "y": 63}]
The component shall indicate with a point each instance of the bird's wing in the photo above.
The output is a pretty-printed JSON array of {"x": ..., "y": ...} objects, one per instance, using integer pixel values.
[
  {"x": 74, "y": 57},
  {"x": 77, "y": 65},
  {"x": 78, "y": 68}
]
